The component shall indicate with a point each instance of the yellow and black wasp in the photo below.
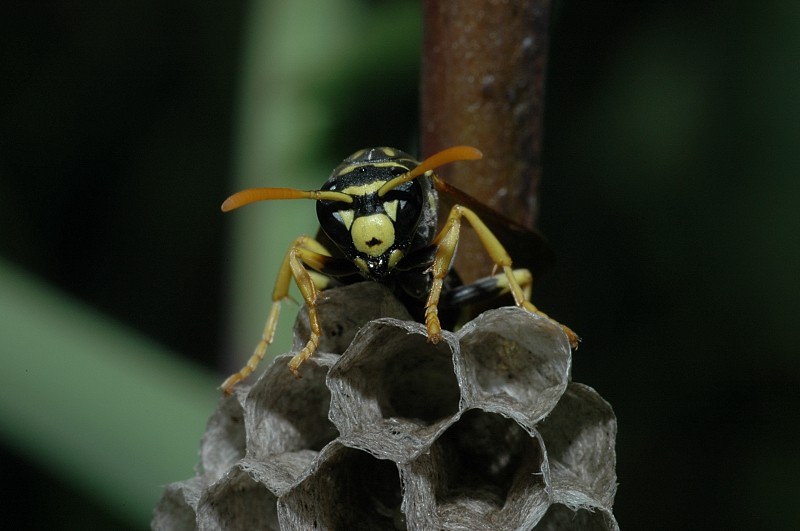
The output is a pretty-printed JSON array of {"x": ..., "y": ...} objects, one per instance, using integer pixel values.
[{"x": 378, "y": 219}]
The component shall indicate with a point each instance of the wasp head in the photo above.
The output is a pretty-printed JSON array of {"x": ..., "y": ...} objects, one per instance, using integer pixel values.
[
  {"x": 377, "y": 206},
  {"x": 376, "y": 228}
]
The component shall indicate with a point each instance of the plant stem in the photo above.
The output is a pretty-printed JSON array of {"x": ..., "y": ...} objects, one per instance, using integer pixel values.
[{"x": 483, "y": 71}]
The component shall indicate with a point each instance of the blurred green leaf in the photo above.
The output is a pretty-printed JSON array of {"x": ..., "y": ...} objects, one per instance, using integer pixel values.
[{"x": 95, "y": 403}]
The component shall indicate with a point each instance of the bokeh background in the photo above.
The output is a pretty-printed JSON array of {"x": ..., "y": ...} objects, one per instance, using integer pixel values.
[{"x": 670, "y": 192}]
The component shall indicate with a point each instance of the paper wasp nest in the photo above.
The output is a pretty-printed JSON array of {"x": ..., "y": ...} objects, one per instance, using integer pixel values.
[{"x": 384, "y": 430}]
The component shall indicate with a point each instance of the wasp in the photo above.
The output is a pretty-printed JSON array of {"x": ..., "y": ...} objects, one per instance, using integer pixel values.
[{"x": 378, "y": 215}]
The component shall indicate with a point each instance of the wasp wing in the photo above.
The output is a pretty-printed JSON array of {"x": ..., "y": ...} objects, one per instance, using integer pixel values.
[{"x": 527, "y": 248}]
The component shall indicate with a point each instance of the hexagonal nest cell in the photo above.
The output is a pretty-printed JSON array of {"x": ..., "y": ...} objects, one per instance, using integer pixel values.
[{"x": 385, "y": 430}]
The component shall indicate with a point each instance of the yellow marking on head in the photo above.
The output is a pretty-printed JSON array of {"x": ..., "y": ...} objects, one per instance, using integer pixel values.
[
  {"x": 386, "y": 164},
  {"x": 391, "y": 209},
  {"x": 348, "y": 169},
  {"x": 364, "y": 189},
  {"x": 372, "y": 235},
  {"x": 389, "y": 152},
  {"x": 347, "y": 217}
]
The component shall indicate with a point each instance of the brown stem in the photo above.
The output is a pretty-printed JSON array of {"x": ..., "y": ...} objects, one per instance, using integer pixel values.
[{"x": 483, "y": 70}]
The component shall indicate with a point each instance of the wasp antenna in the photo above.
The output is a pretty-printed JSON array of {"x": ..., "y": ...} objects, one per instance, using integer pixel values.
[
  {"x": 245, "y": 197},
  {"x": 446, "y": 156}
]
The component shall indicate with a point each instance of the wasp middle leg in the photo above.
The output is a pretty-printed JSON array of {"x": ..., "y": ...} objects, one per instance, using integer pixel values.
[{"x": 515, "y": 281}]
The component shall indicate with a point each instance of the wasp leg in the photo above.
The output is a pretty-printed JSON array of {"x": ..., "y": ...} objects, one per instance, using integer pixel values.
[
  {"x": 446, "y": 241},
  {"x": 304, "y": 250}
]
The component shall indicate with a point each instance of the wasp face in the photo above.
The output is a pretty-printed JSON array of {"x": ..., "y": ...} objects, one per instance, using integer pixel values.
[{"x": 373, "y": 231}]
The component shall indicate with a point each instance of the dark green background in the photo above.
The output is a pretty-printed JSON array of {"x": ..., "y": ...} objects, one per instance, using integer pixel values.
[{"x": 670, "y": 193}]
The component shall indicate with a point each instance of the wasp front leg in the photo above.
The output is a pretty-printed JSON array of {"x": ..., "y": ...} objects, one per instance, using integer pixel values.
[
  {"x": 447, "y": 240},
  {"x": 303, "y": 251}
]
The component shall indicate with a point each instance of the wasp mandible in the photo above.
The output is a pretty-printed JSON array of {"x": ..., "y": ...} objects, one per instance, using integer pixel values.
[{"x": 378, "y": 213}]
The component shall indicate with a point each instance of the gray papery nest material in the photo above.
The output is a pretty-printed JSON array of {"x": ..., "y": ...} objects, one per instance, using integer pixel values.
[{"x": 385, "y": 430}]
